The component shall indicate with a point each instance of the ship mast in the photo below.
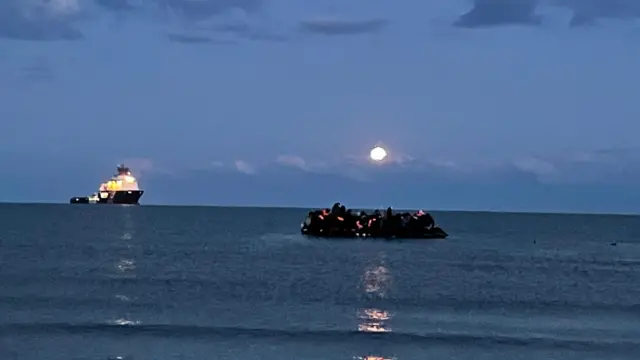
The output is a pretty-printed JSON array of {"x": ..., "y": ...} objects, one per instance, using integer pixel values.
[{"x": 123, "y": 170}]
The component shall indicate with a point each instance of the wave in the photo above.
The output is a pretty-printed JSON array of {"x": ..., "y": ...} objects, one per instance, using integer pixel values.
[{"x": 315, "y": 336}]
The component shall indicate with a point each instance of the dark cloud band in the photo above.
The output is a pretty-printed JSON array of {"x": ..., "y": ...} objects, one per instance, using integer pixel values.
[
  {"x": 19, "y": 22},
  {"x": 486, "y": 13}
]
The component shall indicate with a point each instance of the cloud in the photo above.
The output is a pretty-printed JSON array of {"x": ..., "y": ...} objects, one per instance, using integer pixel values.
[
  {"x": 341, "y": 26},
  {"x": 51, "y": 7},
  {"x": 291, "y": 160},
  {"x": 605, "y": 166},
  {"x": 50, "y": 20},
  {"x": 511, "y": 186},
  {"x": 53, "y": 20},
  {"x": 586, "y": 12},
  {"x": 221, "y": 17},
  {"x": 244, "y": 31},
  {"x": 244, "y": 167},
  {"x": 195, "y": 39},
  {"x": 362, "y": 169},
  {"x": 606, "y": 180},
  {"x": 487, "y": 13},
  {"x": 32, "y": 20},
  {"x": 264, "y": 36},
  {"x": 199, "y": 10},
  {"x": 116, "y": 5}
]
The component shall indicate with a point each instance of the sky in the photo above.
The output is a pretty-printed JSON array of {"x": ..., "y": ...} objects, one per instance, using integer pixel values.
[{"x": 517, "y": 105}]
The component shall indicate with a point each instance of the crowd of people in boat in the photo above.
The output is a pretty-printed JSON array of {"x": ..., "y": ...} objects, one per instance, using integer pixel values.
[{"x": 340, "y": 221}]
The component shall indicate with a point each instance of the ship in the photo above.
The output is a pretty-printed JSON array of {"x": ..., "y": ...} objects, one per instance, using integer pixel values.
[{"x": 122, "y": 188}]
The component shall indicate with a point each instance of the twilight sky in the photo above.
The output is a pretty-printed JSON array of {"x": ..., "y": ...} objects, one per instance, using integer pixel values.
[{"x": 486, "y": 104}]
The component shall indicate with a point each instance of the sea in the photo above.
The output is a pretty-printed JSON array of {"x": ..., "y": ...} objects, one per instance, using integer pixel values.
[{"x": 160, "y": 282}]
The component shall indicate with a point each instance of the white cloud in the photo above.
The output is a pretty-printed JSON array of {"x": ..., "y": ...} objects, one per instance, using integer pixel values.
[
  {"x": 245, "y": 167},
  {"x": 52, "y": 8},
  {"x": 292, "y": 160},
  {"x": 622, "y": 165}
]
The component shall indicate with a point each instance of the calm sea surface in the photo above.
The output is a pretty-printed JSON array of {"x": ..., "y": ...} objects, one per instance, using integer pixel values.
[{"x": 110, "y": 282}]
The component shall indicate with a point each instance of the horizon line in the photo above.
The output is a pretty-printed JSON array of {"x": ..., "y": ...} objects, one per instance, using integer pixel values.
[{"x": 517, "y": 212}]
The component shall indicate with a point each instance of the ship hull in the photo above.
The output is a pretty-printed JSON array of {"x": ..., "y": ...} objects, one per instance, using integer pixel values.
[{"x": 125, "y": 197}]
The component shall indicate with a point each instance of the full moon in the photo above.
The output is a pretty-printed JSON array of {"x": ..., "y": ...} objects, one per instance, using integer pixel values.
[{"x": 378, "y": 153}]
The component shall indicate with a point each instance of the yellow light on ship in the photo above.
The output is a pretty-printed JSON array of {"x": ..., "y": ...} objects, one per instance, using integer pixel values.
[
  {"x": 378, "y": 153},
  {"x": 129, "y": 179}
]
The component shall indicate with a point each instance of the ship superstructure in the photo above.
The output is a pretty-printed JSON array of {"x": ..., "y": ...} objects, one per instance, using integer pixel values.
[{"x": 121, "y": 188}]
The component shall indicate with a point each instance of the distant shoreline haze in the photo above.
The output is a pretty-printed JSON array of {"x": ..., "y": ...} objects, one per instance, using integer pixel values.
[
  {"x": 304, "y": 209},
  {"x": 276, "y": 185}
]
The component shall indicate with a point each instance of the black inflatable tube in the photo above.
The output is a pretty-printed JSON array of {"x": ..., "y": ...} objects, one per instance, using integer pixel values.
[{"x": 404, "y": 234}]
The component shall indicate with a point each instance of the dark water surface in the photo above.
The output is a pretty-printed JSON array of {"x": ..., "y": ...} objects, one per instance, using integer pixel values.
[{"x": 109, "y": 282}]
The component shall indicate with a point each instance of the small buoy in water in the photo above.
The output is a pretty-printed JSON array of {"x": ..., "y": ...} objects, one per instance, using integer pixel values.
[{"x": 614, "y": 244}]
